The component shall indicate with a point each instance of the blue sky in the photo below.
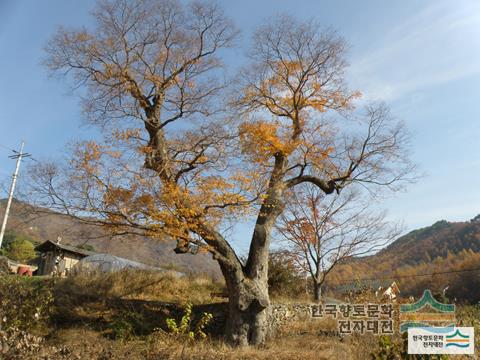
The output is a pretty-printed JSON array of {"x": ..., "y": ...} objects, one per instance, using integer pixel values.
[{"x": 421, "y": 57}]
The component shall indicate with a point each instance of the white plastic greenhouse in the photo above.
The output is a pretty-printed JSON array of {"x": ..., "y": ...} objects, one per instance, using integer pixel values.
[{"x": 110, "y": 263}]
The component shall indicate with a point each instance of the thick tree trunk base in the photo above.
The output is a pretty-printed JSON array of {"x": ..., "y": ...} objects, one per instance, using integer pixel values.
[
  {"x": 247, "y": 327},
  {"x": 248, "y": 305}
]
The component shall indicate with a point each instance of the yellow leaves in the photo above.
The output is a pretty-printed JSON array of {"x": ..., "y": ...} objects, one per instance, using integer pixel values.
[
  {"x": 114, "y": 154},
  {"x": 81, "y": 36},
  {"x": 115, "y": 195},
  {"x": 177, "y": 210},
  {"x": 92, "y": 151},
  {"x": 126, "y": 134},
  {"x": 285, "y": 73},
  {"x": 87, "y": 157},
  {"x": 204, "y": 249},
  {"x": 109, "y": 42},
  {"x": 124, "y": 202},
  {"x": 291, "y": 67},
  {"x": 292, "y": 93},
  {"x": 318, "y": 104},
  {"x": 301, "y": 229},
  {"x": 354, "y": 95},
  {"x": 307, "y": 229},
  {"x": 321, "y": 99},
  {"x": 153, "y": 78},
  {"x": 109, "y": 71},
  {"x": 212, "y": 198},
  {"x": 190, "y": 84},
  {"x": 261, "y": 140},
  {"x": 113, "y": 222},
  {"x": 145, "y": 149},
  {"x": 91, "y": 158},
  {"x": 214, "y": 190},
  {"x": 202, "y": 159},
  {"x": 291, "y": 88}
]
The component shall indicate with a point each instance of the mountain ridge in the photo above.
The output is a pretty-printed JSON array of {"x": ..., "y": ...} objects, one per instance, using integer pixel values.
[
  {"x": 442, "y": 255},
  {"x": 43, "y": 224},
  {"x": 437, "y": 240}
]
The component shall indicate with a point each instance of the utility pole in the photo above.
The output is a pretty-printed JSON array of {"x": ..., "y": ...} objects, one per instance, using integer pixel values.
[{"x": 17, "y": 155}]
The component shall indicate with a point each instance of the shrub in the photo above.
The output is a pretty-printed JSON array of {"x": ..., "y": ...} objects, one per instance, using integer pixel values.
[
  {"x": 19, "y": 344},
  {"x": 18, "y": 247},
  {"x": 21, "y": 250},
  {"x": 284, "y": 279},
  {"x": 126, "y": 325},
  {"x": 388, "y": 349},
  {"x": 25, "y": 302},
  {"x": 184, "y": 327}
]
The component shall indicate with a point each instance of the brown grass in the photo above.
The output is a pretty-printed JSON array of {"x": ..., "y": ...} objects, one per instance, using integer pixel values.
[
  {"x": 287, "y": 346},
  {"x": 128, "y": 304},
  {"x": 140, "y": 285},
  {"x": 88, "y": 306},
  {"x": 306, "y": 348},
  {"x": 92, "y": 313}
]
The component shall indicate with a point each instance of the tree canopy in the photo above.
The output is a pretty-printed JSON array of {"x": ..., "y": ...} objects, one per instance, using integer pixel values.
[{"x": 181, "y": 159}]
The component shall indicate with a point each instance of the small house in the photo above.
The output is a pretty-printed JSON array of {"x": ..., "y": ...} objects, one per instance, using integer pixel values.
[
  {"x": 383, "y": 289},
  {"x": 58, "y": 259}
]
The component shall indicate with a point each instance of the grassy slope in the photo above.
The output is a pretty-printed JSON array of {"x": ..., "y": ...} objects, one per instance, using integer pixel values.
[{"x": 119, "y": 316}]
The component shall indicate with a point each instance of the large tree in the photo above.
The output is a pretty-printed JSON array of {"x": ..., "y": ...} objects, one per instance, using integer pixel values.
[{"x": 172, "y": 162}]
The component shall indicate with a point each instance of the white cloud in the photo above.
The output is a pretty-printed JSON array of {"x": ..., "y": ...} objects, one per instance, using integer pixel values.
[{"x": 439, "y": 44}]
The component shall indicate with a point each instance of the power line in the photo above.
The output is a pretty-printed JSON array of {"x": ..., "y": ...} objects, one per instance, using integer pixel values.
[
  {"x": 6, "y": 147},
  {"x": 409, "y": 276},
  {"x": 16, "y": 153}
]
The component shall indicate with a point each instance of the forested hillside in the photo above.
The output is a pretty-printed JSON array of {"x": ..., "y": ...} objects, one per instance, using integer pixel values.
[{"x": 434, "y": 257}]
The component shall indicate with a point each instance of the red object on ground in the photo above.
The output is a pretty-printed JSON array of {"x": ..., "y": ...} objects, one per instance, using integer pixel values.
[{"x": 24, "y": 271}]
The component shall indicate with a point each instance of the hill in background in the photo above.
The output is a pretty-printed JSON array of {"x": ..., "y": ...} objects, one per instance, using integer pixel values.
[
  {"x": 437, "y": 240},
  {"x": 445, "y": 247},
  {"x": 43, "y": 225},
  {"x": 448, "y": 250}
]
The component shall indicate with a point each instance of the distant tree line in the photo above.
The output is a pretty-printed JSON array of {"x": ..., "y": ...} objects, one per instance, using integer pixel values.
[{"x": 454, "y": 278}]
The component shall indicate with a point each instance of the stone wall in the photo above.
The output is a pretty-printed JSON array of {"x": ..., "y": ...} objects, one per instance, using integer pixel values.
[{"x": 279, "y": 314}]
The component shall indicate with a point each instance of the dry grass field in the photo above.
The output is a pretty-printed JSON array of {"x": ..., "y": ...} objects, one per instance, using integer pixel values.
[{"x": 123, "y": 316}]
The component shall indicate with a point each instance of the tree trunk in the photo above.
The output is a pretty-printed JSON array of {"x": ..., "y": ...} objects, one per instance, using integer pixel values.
[
  {"x": 317, "y": 291},
  {"x": 247, "y": 327},
  {"x": 247, "y": 285},
  {"x": 247, "y": 321},
  {"x": 248, "y": 289}
]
